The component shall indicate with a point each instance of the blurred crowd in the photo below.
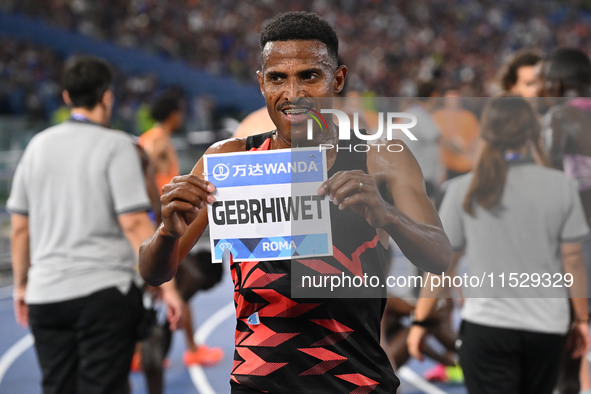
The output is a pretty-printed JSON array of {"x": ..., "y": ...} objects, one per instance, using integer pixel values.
[
  {"x": 29, "y": 79},
  {"x": 30, "y": 84},
  {"x": 459, "y": 42}
]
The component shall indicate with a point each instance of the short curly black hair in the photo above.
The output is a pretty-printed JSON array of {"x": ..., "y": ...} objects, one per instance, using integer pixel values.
[{"x": 301, "y": 25}]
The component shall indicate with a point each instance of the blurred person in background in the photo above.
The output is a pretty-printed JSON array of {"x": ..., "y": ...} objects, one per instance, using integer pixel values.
[
  {"x": 196, "y": 272},
  {"x": 426, "y": 149},
  {"x": 427, "y": 152},
  {"x": 79, "y": 214},
  {"x": 167, "y": 110},
  {"x": 513, "y": 215},
  {"x": 459, "y": 135},
  {"x": 567, "y": 73},
  {"x": 520, "y": 76}
]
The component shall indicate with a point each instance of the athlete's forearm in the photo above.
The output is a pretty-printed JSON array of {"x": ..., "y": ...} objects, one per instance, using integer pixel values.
[
  {"x": 158, "y": 257},
  {"x": 426, "y": 246},
  {"x": 426, "y": 300},
  {"x": 430, "y": 292}
]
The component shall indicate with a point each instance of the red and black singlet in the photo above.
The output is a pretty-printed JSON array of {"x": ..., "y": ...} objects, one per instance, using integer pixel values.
[{"x": 329, "y": 345}]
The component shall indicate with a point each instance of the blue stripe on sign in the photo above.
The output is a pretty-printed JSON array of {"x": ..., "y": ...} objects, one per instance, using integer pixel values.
[
  {"x": 273, "y": 247},
  {"x": 265, "y": 168}
]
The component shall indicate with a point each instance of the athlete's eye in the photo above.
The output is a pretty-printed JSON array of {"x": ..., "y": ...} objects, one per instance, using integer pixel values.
[
  {"x": 309, "y": 75},
  {"x": 275, "y": 77}
]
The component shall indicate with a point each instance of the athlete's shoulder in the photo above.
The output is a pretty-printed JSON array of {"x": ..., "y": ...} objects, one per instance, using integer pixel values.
[
  {"x": 393, "y": 153},
  {"x": 239, "y": 144},
  {"x": 393, "y": 162},
  {"x": 227, "y": 146}
]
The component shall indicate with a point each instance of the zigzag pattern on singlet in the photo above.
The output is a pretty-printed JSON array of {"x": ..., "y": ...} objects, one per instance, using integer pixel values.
[{"x": 307, "y": 344}]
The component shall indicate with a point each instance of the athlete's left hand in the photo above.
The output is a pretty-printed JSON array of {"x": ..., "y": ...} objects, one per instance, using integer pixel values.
[{"x": 358, "y": 191}]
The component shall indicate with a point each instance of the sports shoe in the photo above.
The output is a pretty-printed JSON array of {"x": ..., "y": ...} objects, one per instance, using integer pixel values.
[
  {"x": 204, "y": 356},
  {"x": 455, "y": 374},
  {"x": 136, "y": 363},
  {"x": 443, "y": 374},
  {"x": 436, "y": 374}
]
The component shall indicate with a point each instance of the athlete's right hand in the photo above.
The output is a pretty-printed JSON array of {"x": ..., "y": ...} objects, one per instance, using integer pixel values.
[
  {"x": 414, "y": 341},
  {"x": 181, "y": 200}
]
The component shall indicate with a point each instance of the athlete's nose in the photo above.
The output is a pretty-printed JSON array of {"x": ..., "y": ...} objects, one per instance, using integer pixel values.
[{"x": 293, "y": 90}]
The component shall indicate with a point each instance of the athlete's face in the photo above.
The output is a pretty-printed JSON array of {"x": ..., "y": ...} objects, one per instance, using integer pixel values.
[{"x": 291, "y": 72}]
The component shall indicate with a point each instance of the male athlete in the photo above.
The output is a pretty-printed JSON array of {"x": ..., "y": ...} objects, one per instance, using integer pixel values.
[{"x": 303, "y": 345}]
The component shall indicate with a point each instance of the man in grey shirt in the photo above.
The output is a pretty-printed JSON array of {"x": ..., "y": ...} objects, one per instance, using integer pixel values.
[{"x": 79, "y": 213}]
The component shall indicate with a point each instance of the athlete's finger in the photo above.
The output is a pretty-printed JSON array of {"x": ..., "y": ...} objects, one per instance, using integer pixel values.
[
  {"x": 190, "y": 194},
  {"x": 357, "y": 185},
  {"x": 335, "y": 181},
  {"x": 358, "y": 198},
  {"x": 193, "y": 180}
]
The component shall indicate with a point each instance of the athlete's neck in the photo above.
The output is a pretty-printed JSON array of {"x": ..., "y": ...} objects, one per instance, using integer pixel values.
[
  {"x": 327, "y": 141},
  {"x": 279, "y": 141}
]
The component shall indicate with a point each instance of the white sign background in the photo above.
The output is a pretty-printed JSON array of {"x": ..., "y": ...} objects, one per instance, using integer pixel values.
[{"x": 303, "y": 238}]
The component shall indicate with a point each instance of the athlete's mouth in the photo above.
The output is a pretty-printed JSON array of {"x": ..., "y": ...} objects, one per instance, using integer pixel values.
[
  {"x": 295, "y": 111},
  {"x": 296, "y": 114}
]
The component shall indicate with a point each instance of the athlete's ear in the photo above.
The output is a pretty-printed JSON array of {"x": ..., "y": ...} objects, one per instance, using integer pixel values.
[
  {"x": 261, "y": 83},
  {"x": 339, "y": 78},
  {"x": 66, "y": 98},
  {"x": 108, "y": 98}
]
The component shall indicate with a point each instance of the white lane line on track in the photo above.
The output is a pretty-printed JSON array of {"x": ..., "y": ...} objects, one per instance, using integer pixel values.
[
  {"x": 196, "y": 372},
  {"x": 14, "y": 352},
  {"x": 416, "y": 380}
]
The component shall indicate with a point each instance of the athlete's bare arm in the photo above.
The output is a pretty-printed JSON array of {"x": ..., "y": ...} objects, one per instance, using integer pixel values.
[
  {"x": 184, "y": 219},
  {"x": 412, "y": 221}
]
